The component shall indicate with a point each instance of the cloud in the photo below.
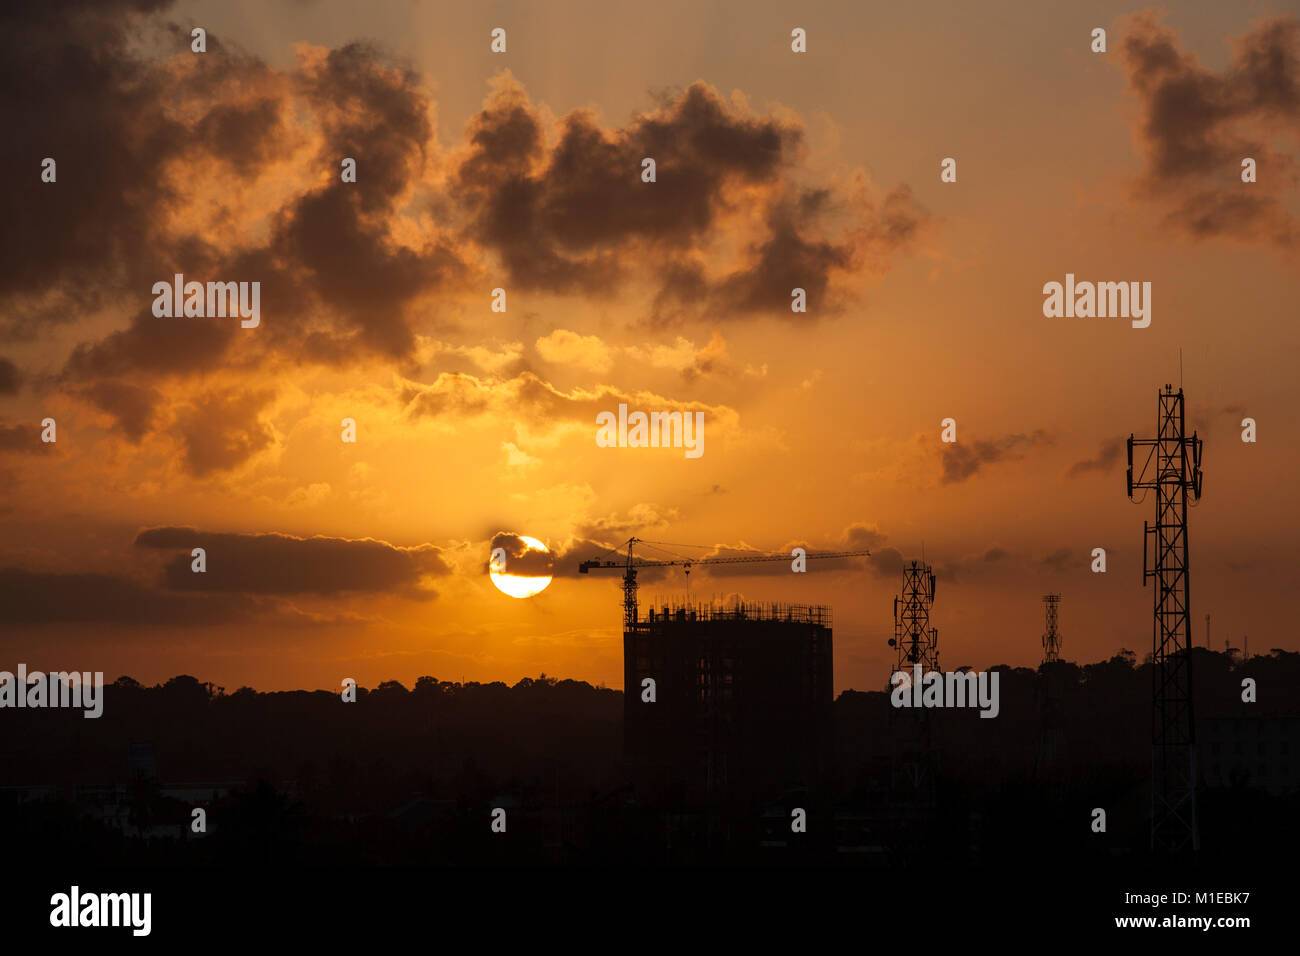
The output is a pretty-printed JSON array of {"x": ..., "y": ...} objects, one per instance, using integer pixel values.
[
  {"x": 71, "y": 229},
  {"x": 788, "y": 255},
  {"x": 1197, "y": 125},
  {"x": 134, "y": 407},
  {"x": 1106, "y": 458},
  {"x": 271, "y": 563},
  {"x": 638, "y": 519},
  {"x": 529, "y": 399},
  {"x": 521, "y": 558},
  {"x": 883, "y": 562},
  {"x": 856, "y": 537},
  {"x": 556, "y": 214},
  {"x": 578, "y": 549},
  {"x": 963, "y": 460},
  {"x": 212, "y": 145},
  {"x": 152, "y": 347},
  {"x": 122, "y": 129},
  {"x": 221, "y": 430},
  {"x": 223, "y": 168},
  {"x": 33, "y": 597},
  {"x": 516, "y": 457},
  {"x": 1207, "y": 418},
  {"x": 576, "y": 217},
  {"x": 683, "y": 356},
  {"x": 10, "y": 377},
  {"x": 862, "y": 537},
  {"x": 563, "y": 347},
  {"x": 1064, "y": 559},
  {"x": 23, "y": 438},
  {"x": 887, "y": 563},
  {"x": 505, "y": 360}
]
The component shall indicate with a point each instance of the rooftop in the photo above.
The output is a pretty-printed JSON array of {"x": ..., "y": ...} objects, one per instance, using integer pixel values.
[{"x": 739, "y": 611}]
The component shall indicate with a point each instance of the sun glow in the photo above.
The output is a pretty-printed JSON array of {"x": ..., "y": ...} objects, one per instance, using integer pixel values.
[{"x": 521, "y": 585}]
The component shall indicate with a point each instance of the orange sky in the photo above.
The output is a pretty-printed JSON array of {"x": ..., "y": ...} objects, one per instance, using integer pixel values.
[{"x": 522, "y": 171}]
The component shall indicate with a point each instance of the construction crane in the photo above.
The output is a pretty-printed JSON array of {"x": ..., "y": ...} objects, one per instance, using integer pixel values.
[{"x": 629, "y": 565}]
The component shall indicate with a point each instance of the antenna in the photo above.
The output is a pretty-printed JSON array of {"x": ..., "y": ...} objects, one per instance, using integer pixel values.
[
  {"x": 914, "y": 639},
  {"x": 1173, "y": 472},
  {"x": 1051, "y": 637}
]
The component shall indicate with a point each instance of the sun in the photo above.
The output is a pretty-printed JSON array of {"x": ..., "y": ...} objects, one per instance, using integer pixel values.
[{"x": 535, "y": 556}]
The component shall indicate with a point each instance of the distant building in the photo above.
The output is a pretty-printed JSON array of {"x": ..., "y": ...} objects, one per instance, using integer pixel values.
[
  {"x": 743, "y": 698},
  {"x": 1258, "y": 752},
  {"x": 143, "y": 760}
]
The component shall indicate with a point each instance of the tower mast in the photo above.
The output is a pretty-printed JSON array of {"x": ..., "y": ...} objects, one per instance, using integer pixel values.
[{"x": 1172, "y": 469}]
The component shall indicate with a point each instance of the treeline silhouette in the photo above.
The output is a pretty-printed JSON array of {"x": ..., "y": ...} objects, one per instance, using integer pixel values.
[{"x": 410, "y": 776}]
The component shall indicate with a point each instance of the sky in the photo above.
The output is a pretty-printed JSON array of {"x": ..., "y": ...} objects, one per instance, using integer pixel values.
[{"x": 522, "y": 171}]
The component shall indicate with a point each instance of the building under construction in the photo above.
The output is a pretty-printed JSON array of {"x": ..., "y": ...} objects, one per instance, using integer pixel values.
[{"x": 728, "y": 701}]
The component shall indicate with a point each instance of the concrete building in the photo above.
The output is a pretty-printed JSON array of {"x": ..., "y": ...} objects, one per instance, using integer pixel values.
[
  {"x": 1258, "y": 752},
  {"x": 730, "y": 700}
]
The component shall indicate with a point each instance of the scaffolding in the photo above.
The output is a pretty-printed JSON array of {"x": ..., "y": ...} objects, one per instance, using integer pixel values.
[{"x": 742, "y": 701}]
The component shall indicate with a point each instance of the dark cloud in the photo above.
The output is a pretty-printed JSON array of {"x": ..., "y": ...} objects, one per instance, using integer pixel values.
[
  {"x": 77, "y": 86},
  {"x": 887, "y": 563},
  {"x": 270, "y": 563},
  {"x": 10, "y": 377},
  {"x": 520, "y": 558},
  {"x": 23, "y": 438},
  {"x": 555, "y": 215},
  {"x": 139, "y": 126},
  {"x": 152, "y": 346},
  {"x": 1208, "y": 418},
  {"x": 143, "y": 131},
  {"x": 244, "y": 136},
  {"x": 1063, "y": 559},
  {"x": 33, "y": 597},
  {"x": 856, "y": 537},
  {"x": 1197, "y": 125},
  {"x": 786, "y": 259},
  {"x": 68, "y": 90},
  {"x": 133, "y": 406},
  {"x": 339, "y": 239},
  {"x": 859, "y": 537},
  {"x": 573, "y": 217},
  {"x": 222, "y": 429},
  {"x": 962, "y": 460},
  {"x": 1109, "y": 455},
  {"x": 573, "y": 553},
  {"x": 637, "y": 520}
]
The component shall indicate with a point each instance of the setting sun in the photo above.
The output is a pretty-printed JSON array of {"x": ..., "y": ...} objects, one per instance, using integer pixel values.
[{"x": 521, "y": 585}]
